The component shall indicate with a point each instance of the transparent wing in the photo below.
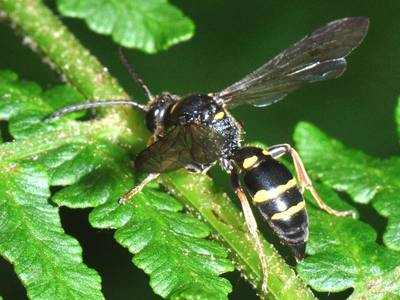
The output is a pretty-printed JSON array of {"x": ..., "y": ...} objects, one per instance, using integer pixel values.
[
  {"x": 318, "y": 56},
  {"x": 183, "y": 145}
]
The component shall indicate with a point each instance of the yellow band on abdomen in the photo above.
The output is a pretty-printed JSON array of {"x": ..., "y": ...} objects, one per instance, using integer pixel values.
[
  {"x": 265, "y": 195},
  {"x": 290, "y": 211},
  {"x": 250, "y": 162}
]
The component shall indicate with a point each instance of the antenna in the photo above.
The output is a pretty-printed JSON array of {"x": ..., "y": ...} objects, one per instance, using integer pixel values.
[
  {"x": 135, "y": 76},
  {"x": 72, "y": 108}
]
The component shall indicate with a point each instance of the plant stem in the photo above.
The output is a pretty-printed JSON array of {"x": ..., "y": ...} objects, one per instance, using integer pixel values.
[
  {"x": 84, "y": 72},
  {"x": 45, "y": 33}
]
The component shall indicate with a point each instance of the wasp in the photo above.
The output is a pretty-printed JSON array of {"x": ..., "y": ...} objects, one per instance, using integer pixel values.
[{"x": 196, "y": 131}]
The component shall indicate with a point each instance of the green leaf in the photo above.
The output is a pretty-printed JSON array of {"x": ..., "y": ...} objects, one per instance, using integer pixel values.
[
  {"x": 96, "y": 172},
  {"x": 47, "y": 261},
  {"x": 364, "y": 178},
  {"x": 126, "y": 127},
  {"x": 69, "y": 163},
  {"x": 343, "y": 253},
  {"x": 148, "y": 25},
  {"x": 25, "y": 105},
  {"x": 169, "y": 246}
]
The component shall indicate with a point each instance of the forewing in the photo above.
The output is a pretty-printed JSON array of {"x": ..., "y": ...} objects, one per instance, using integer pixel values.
[
  {"x": 318, "y": 56},
  {"x": 183, "y": 145}
]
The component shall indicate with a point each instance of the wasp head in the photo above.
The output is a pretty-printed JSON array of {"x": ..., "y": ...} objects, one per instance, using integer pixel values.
[{"x": 158, "y": 109}]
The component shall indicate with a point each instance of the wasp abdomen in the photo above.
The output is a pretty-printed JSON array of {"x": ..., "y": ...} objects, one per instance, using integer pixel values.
[{"x": 275, "y": 193}]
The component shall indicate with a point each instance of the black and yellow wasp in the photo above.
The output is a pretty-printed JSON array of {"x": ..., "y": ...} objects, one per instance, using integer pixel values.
[{"x": 196, "y": 131}]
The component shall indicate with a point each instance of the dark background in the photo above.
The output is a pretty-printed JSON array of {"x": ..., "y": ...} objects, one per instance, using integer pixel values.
[{"x": 233, "y": 38}]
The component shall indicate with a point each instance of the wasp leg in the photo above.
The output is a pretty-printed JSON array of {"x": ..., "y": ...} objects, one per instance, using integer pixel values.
[
  {"x": 304, "y": 180},
  {"x": 206, "y": 169},
  {"x": 199, "y": 169},
  {"x": 252, "y": 226},
  {"x": 137, "y": 189}
]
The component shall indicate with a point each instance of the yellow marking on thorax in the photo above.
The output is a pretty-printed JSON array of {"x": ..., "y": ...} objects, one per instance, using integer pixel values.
[
  {"x": 250, "y": 161},
  {"x": 290, "y": 211},
  {"x": 266, "y": 152},
  {"x": 174, "y": 107},
  {"x": 264, "y": 195},
  {"x": 219, "y": 116}
]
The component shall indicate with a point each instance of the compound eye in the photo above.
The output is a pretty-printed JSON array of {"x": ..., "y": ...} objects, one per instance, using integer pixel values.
[{"x": 152, "y": 118}]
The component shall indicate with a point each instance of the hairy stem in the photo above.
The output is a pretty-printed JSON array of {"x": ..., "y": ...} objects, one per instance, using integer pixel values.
[
  {"x": 48, "y": 35},
  {"x": 45, "y": 33}
]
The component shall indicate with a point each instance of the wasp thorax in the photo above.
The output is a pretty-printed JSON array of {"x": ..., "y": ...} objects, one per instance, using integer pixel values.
[
  {"x": 195, "y": 109},
  {"x": 158, "y": 110}
]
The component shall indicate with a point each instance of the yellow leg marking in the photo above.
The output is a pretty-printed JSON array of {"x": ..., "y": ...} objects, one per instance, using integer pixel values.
[
  {"x": 266, "y": 152},
  {"x": 264, "y": 195},
  {"x": 290, "y": 211},
  {"x": 219, "y": 116},
  {"x": 250, "y": 161}
]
